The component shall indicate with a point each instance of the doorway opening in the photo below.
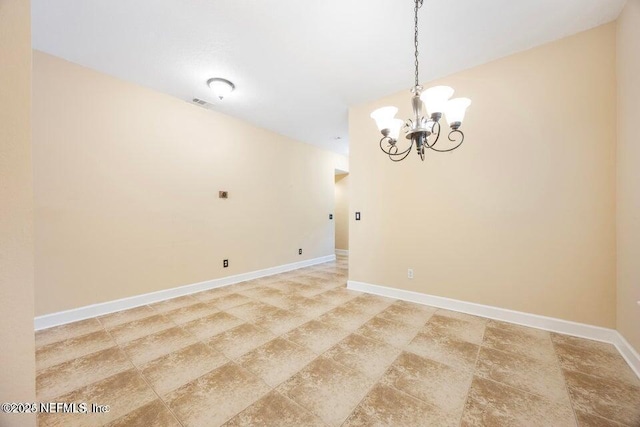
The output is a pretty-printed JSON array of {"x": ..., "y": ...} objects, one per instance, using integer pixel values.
[{"x": 341, "y": 213}]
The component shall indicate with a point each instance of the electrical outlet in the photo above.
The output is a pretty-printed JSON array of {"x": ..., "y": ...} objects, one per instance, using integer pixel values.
[
  {"x": 357, "y": 216},
  {"x": 330, "y": 216},
  {"x": 300, "y": 251},
  {"x": 223, "y": 194},
  {"x": 225, "y": 263},
  {"x": 410, "y": 273}
]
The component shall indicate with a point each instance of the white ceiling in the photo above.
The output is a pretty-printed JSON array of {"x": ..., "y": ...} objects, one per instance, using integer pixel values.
[{"x": 298, "y": 64}]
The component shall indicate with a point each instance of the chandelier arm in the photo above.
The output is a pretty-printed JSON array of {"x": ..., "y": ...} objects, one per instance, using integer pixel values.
[
  {"x": 391, "y": 152},
  {"x": 384, "y": 138},
  {"x": 433, "y": 132},
  {"x": 453, "y": 132},
  {"x": 404, "y": 154}
]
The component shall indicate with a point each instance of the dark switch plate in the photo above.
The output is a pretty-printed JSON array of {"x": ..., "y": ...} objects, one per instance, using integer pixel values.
[
  {"x": 330, "y": 216},
  {"x": 357, "y": 216},
  {"x": 299, "y": 251},
  {"x": 225, "y": 263}
]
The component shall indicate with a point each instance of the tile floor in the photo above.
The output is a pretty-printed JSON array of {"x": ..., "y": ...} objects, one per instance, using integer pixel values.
[{"x": 299, "y": 349}]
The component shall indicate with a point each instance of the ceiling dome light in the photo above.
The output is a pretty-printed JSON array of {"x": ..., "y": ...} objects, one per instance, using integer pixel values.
[{"x": 220, "y": 87}]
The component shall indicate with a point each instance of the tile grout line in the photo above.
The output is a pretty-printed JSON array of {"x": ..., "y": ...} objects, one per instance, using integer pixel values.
[
  {"x": 115, "y": 344},
  {"x": 509, "y": 353},
  {"x": 517, "y": 389},
  {"x": 380, "y": 377},
  {"x": 291, "y": 376},
  {"x": 350, "y": 332},
  {"x": 384, "y": 342},
  {"x": 533, "y": 359},
  {"x": 317, "y": 356},
  {"x": 615, "y": 354},
  {"x": 144, "y": 379},
  {"x": 535, "y": 394},
  {"x": 163, "y": 315},
  {"x": 564, "y": 380},
  {"x": 401, "y": 349},
  {"x": 599, "y": 377},
  {"x": 88, "y": 354},
  {"x": 69, "y": 360},
  {"x": 234, "y": 361},
  {"x": 473, "y": 374},
  {"x": 229, "y": 360},
  {"x": 405, "y": 350},
  {"x": 315, "y": 318},
  {"x": 284, "y": 397}
]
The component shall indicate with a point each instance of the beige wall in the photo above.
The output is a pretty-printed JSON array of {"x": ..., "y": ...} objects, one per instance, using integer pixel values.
[
  {"x": 17, "y": 376},
  {"x": 126, "y": 191},
  {"x": 522, "y": 216},
  {"x": 628, "y": 194},
  {"x": 342, "y": 212}
]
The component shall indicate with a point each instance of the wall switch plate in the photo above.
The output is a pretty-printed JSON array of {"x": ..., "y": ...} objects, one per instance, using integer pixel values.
[
  {"x": 223, "y": 194},
  {"x": 330, "y": 216},
  {"x": 299, "y": 251},
  {"x": 410, "y": 273},
  {"x": 357, "y": 216},
  {"x": 225, "y": 263}
]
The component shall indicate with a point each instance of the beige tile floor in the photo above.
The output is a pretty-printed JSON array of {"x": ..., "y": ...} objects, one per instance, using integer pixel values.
[{"x": 299, "y": 349}]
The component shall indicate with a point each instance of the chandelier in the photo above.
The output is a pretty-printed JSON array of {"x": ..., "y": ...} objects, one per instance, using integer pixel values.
[{"x": 421, "y": 131}]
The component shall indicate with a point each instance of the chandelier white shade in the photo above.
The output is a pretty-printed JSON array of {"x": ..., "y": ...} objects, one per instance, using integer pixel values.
[
  {"x": 435, "y": 98},
  {"x": 383, "y": 116},
  {"x": 394, "y": 127},
  {"x": 422, "y": 131},
  {"x": 456, "y": 109}
]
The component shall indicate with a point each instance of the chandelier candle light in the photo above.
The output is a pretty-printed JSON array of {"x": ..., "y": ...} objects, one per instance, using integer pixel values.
[{"x": 422, "y": 131}]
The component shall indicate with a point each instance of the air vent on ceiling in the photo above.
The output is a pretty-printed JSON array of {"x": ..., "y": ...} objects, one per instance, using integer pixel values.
[{"x": 200, "y": 102}]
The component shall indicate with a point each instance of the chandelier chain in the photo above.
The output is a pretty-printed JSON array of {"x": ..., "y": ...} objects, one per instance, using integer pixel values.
[{"x": 415, "y": 10}]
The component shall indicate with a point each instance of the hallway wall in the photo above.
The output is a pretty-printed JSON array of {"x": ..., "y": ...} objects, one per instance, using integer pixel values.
[
  {"x": 17, "y": 376},
  {"x": 628, "y": 183},
  {"x": 126, "y": 191}
]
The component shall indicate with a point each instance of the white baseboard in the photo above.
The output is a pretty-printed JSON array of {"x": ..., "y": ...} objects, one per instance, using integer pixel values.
[
  {"x": 342, "y": 252},
  {"x": 81, "y": 313},
  {"x": 628, "y": 353},
  {"x": 566, "y": 327}
]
